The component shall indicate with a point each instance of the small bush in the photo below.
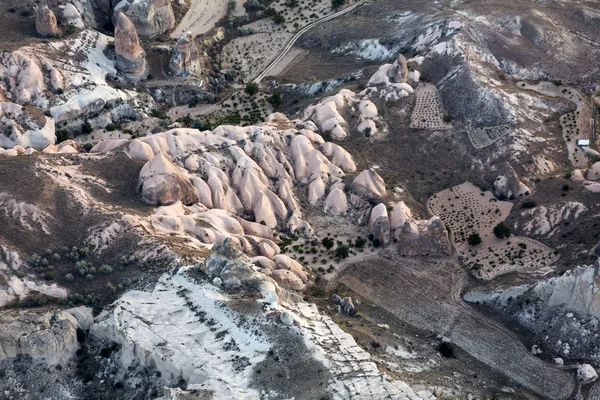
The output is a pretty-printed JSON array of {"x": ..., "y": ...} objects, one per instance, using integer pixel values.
[
  {"x": 566, "y": 187},
  {"x": 69, "y": 277},
  {"x": 49, "y": 276},
  {"x": 62, "y": 135},
  {"x": 529, "y": 204},
  {"x": 360, "y": 243},
  {"x": 106, "y": 269},
  {"x": 111, "y": 127}
]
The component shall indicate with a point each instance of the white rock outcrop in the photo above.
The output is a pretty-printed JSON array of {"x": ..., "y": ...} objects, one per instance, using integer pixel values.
[
  {"x": 586, "y": 373},
  {"x": 71, "y": 16},
  {"x": 39, "y": 333},
  {"x": 186, "y": 331},
  {"x": 25, "y": 127},
  {"x": 369, "y": 183}
]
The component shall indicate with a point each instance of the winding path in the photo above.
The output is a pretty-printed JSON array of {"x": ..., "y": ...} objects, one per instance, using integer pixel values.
[{"x": 292, "y": 41}]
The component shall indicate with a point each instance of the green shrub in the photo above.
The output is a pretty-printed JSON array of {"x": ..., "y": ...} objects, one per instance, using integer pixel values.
[
  {"x": 252, "y": 88},
  {"x": 328, "y": 242},
  {"x": 49, "y": 276},
  {"x": 474, "y": 239},
  {"x": 342, "y": 251},
  {"x": 502, "y": 231},
  {"x": 87, "y": 127}
]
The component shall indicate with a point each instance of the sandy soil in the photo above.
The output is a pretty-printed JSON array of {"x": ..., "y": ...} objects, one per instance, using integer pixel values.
[
  {"x": 251, "y": 54},
  {"x": 201, "y": 17}
]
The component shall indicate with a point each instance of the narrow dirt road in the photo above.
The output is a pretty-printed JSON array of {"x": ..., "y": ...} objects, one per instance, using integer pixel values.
[{"x": 294, "y": 38}]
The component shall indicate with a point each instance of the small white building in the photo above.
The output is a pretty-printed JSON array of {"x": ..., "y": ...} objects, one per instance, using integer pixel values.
[{"x": 583, "y": 142}]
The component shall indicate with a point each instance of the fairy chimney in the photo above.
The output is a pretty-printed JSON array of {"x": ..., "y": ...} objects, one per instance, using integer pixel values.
[
  {"x": 45, "y": 21},
  {"x": 185, "y": 60},
  {"x": 130, "y": 56}
]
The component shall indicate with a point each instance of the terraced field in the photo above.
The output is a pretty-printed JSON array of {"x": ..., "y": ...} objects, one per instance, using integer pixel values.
[{"x": 426, "y": 294}]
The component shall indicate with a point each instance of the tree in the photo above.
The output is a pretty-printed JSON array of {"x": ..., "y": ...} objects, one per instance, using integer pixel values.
[
  {"x": 328, "y": 242},
  {"x": 342, "y": 251},
  {"x": 252, "y": 88},
  {"x": 337, "y": 3},
  {"x": 275, "y": 99},
  {"x": 502, "y": 231},
  {"x": 474, "y": 239},
  {"x": 87, "y": 127}
]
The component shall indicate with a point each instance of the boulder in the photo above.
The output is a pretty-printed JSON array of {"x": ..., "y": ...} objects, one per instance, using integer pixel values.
[
  {"x": 286, "y": 318},
  {"x": 586, "y": 373},
  {"x": 228, "y": 262},
  {"x": 45, "y": 21},
  {"x": 185, "y": 60},
  {"x": 130, "y": 56},
  {"x": 369, "y": 183},
  {"x": 347, "y": 306},
  {"x": 150, "y": 17},
  {"x": 508, "y": 185},
  {"x": 163, "y": 183},
  {"x": 39, "y": 333}
]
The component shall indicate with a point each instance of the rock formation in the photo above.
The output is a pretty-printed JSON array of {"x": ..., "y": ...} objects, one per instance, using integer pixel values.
[
  {"x": 586, "y": 373},
  {"x": 412, "y": 237},
  {"x": 379, "y": 224},
  {"x": 228, "y": 262},
  {"x": 25, "y": 126},
  {"x": 150, "y": 17},
  {"x": 130, "y": 56},
  {"x": 399, "y": 71},
  {"x": 45, "y": 21},
  {"x": 39, "y": 333},
  {"x": 369, "y": 183},
  {"x": 71, "y": 16},
  {"x": 508, "y": 185},
  {"x": 163, "y": 183},
  {"x": 185, "y": 60},
  {"x": 418, "y": 237}
]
